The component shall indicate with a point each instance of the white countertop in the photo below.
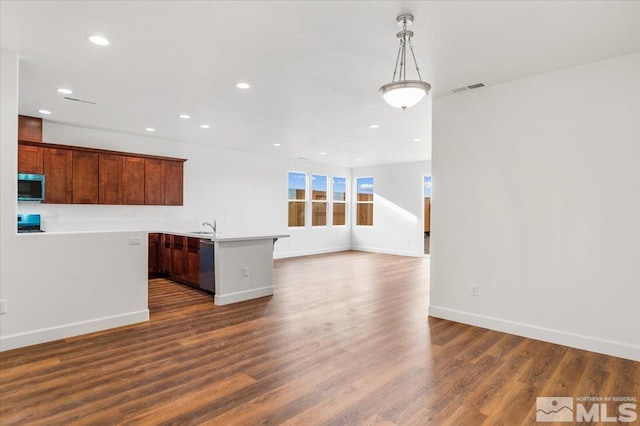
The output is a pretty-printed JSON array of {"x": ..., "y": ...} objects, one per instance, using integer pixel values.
[{"x": 220, "y": 236}]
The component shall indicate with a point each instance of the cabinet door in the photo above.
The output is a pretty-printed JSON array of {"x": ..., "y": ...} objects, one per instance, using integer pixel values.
[
  {"x": 58, "y": 176},
  {"x": 165, "y": 255},
  {"x": 111, "y": 176},
  {"x": 193, "y": 261},
  {"x": 178, "y": 257},
  {"x": 29, "y": 128},
  {"x": 133, "y": 180},
  {"x": 153, "y": 181},
  {"x": 84, "y": 177},
  {"x": 173, "y": 180},
  {"x": 154, "y": 253},
  {"x": 30, "y": 159}
]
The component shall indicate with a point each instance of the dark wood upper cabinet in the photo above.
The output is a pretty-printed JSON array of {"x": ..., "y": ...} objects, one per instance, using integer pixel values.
[
  {"x": 110, "y": 179},
  {"x": 78, "y": 175},
  {"x": 85, "y": 177},
  {"x": 58, "y": 175},
  {"x": 30, "y": 159},
  {"x": 153, "y": 181},
  {"x": 29, "y": 129},
  {"x": 173, "y": 183},
  {"x": 133, "y": 180}
]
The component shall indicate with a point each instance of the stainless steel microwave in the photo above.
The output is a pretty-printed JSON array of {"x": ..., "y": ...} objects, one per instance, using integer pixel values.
[{"x": 30, "y": 187}]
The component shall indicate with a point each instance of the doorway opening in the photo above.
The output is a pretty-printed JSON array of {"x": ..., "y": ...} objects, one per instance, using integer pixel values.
[{"x": 427, "y": 214}]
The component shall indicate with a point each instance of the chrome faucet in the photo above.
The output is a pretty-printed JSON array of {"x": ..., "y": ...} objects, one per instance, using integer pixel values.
[{"x": 214, "y": 226}]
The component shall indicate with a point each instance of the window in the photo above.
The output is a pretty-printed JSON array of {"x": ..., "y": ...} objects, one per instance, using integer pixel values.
[
  {"x": 297, "y": 198},
  {"x": 318, "y": 200},
  {"x": 427, "y": 186},
  {"x": 364, "y": 201},
  {"x": 339, "y": 199}
]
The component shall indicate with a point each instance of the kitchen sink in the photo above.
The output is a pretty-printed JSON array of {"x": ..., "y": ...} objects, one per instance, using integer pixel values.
[{"x": 201, "y": 232}]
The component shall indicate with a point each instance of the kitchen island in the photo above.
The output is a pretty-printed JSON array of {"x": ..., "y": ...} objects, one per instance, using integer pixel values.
[
  {"x": 234, "y": 267},
  {"x": 243, "y": 267}
]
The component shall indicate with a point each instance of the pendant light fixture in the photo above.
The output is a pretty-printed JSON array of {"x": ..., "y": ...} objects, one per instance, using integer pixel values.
[{"x": 403, "y": 93}]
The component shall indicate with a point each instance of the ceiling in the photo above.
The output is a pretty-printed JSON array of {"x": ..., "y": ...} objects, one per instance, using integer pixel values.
[{"x": 314, "y": 66}]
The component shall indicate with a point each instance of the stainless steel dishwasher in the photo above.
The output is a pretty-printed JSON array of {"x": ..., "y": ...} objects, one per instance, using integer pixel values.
[{"x": 207, "y": 266}]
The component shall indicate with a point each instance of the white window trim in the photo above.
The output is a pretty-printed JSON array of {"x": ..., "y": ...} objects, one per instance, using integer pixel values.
[{"x": 305, "y": 201}]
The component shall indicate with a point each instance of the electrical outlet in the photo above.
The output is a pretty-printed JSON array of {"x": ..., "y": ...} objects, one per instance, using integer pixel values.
[
  {"x": 135, "y": 241},
  {"x": 3, "y": 306},
  {"x": 245, "y": 271},
  {"x": 474, "y": 290}
]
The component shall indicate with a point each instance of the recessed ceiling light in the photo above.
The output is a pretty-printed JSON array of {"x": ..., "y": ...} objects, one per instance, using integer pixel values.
[
  {"x": 99, "y": 40},
  {"x": 417, "y": 140},
  {"x": 44, "y": 111},
  {"x": 357, "y": 159},
  {"x": 150, "y": 129},
  {"x": 243, "y": 85},
  {"x": 185, "y": 116},
  {"x": 323, "y": 153},
  {"x": 276, "y": 144},
  {"x": 65, "y": 91},
  {"x": 374, "y": 126},
  {"x": 204, "y": 126}
]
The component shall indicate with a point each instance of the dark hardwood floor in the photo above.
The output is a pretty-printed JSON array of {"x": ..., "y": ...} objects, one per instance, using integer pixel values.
[{"x": 345, "y": 340}]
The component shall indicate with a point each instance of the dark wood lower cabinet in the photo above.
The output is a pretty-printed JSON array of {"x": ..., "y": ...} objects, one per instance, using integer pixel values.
[
  {"x": 155, "y": 266},
  {"x": 178, "y": 257},
  {"x": 175, "y": 257},
  {"x": 193, "y": 261},
  {"x": 165, "y": 254}
]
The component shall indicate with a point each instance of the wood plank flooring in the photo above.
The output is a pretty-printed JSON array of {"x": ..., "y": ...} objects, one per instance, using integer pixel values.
[{"x": 345, "y": 341}]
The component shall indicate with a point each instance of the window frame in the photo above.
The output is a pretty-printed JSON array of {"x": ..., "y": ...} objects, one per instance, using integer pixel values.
[
  {"x": 303, "y": 201},
  {"x": 358, "y": 202},
  {"x": 344, "y": 202},
  {"x": 325, "y": 201}
]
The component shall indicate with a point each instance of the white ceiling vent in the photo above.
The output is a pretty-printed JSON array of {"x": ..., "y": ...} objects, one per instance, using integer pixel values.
[
  {"x": 79, "y": 100},
  {"x": 470, "y": 87}
]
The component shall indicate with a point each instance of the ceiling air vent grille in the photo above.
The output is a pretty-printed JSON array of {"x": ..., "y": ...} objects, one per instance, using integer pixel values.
[
  {"x": 79, "y": 100},
  {"x": 469, "y": 87}
]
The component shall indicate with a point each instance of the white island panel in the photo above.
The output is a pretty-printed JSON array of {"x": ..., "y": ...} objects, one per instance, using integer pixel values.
[{"x": 243, "y": 269}]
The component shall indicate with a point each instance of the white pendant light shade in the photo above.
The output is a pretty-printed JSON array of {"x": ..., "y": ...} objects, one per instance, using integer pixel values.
[{"x": 404, "y": 94}]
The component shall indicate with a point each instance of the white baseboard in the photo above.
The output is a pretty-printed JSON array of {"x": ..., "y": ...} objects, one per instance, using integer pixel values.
[
  {"x": 593, "y": 344},
  {"x": 19, "y": 340},
  {"x": 299, "y": 253},
  {"x": 387, "y": 251},
  {"x": 241, "y": 296}
]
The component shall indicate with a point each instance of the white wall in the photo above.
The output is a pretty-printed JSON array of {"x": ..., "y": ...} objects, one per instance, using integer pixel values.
[
  {"x": 538, "y": 203},
  {"x": 308, "y": 239},
  {"x": 398, "y": 221},
  {"x": 57, "y": 286}
]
